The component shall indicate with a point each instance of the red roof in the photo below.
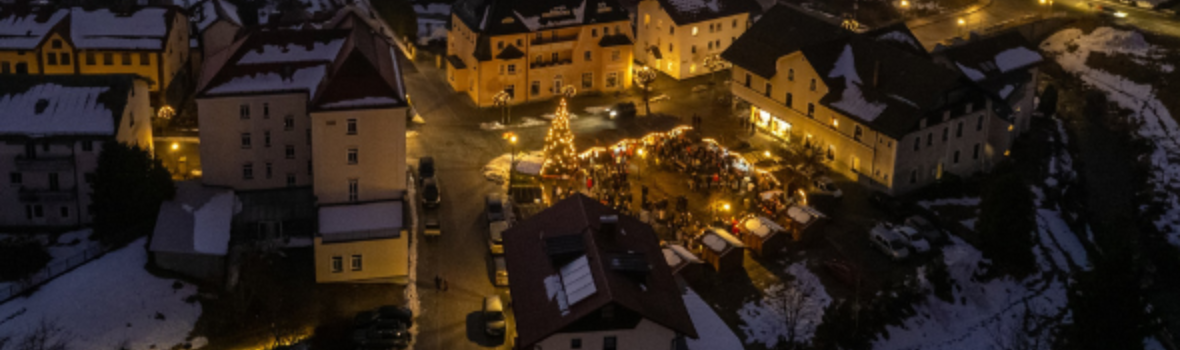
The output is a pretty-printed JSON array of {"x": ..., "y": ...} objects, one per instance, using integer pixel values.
[{"x": 614, "y": 259}]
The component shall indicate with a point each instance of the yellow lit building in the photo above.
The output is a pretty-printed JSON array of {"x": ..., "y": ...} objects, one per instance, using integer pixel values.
[
  {"x": 269, "y": 96},
  {"x": 882, "y": 110},
  {"x": 675, "y": 37},
  {"x": 531, "y": 49},
  {"x": 151, "y": 42}
]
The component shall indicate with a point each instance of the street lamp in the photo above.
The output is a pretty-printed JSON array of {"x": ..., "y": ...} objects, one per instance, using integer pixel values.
[
  {"x": 962, "y": 23},
  {"x": 511, "y": 137},
  {"x": 643, "y": 159},
  {"x": 172, "y": 151}
]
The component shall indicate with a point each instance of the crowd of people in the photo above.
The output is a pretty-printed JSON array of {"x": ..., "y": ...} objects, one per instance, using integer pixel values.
[{"x": 606, "y": 174}]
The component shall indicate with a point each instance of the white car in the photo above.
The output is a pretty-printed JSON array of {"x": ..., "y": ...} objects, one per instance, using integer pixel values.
[
  {"x": 889, "y": 242},
  {"x": 823, "y": 185},
  {"x": 915, "y": 238}
]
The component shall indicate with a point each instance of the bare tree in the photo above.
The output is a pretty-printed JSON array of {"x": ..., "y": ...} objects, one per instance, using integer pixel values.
[
  {"x": 797, "y": 308},
  {"x": 1024, "y": 334},
  {"x": 645, "y": 77},
  {"x": 47, "y": 336}
]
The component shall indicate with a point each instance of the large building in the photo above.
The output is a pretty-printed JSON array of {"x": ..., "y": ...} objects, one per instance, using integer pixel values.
[
  {"x": 533, "y": 48},
  {"x": 675, "y": 37},
  {"x": 151, "y": 42},
  {"x": 585, "y": 277},
  {"x": 53, "y": 129},
  {"x": 883, "y": 111},
  {"x": 273, "y": 94}
]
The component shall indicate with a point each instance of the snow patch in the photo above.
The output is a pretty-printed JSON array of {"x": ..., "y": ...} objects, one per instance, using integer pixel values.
[
  {"x": 852, "y": 100},
  {"x": 528, "y": 163},
  {"x": 525, "y": 122},
  {"x": 764, "y": 321}
]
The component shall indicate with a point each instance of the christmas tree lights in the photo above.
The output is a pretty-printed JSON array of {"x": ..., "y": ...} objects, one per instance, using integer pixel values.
[{"x": 560, "y": 157}]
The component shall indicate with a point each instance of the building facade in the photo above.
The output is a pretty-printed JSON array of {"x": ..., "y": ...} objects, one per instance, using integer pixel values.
[
  {"x": 675, "y": 37},
  {"x": 881, "y": 110},
  {"x": 151, "y": 42},
  {"x": 273, "y": 94},
  {"x": 532, "y": 49},
  {"x": 53, "y": 133}
]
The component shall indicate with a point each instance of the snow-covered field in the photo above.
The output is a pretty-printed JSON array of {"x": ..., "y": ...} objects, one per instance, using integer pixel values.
[
  {"x": 764, "y": 320},
  {"x": 107, "y": 302},
  {"x": 1071, "y": 48}
]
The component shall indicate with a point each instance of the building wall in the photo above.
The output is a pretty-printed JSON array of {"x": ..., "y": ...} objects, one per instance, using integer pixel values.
[
  {"x": 29, "y": 58},
  {"x": 382, "y": 260},
  {"x": 224, "y": 157},
  {"x": 208, "y": 268},
  {"x": 54, "y": 60},
  {"x": 582, "y": 63},
  {"x": 872, "y": 158},
  {"x": 676, "y": 45},
  {"x": 380, "y": 170},
  {"x": 73, "y": 164},
  {"x": 647, "y": 335},
  {"x": 217, "y": 36},
  {"x": 160, "y": 67}
]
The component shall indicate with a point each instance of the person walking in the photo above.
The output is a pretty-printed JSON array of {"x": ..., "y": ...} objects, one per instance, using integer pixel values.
[{"x": 437, "y": 283}]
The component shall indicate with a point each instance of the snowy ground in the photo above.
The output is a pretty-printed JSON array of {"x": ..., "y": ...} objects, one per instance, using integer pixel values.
[
  {"x": 713, "y": 333},
  {"x": 67, "y": 245},
  {"x": 763, "y": 320},
  {"x": 528, "y": 163},
  {"x": 1071, "y": 48},
  {"x": 109, "y": 301},
  {"x": 525, "y": 122}
]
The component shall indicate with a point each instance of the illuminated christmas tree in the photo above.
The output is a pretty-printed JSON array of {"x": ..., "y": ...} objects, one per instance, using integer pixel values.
[{"x": 560, "y": 157}]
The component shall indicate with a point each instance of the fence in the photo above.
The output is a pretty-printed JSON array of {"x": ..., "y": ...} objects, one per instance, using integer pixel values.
[{"x": 51, "y": 271}]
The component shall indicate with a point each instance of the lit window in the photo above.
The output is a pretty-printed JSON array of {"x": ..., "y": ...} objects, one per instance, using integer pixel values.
[
  {"x": 352, "y": 126},
  {"x": 356, "y": 263},
  {"x": 694, "y": 30}
]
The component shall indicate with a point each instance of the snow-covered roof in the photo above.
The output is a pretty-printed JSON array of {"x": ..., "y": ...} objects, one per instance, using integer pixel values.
[
  {"x": 1016, "y": 58},
  {"x": 671, "y": 257},
  {"x": 343, "y": 219},
  {"x": 852, "y": 99},
  {"x": 63, "y": 105},
  {"x": 692, "y": 11},
  {"x": 761, "y": 226},
  {"x": 196, "y": 221},
  {"x": 273, "y": 81},
  {"x": 991, "y": 58},
  {"x": 26, "y": 31},
  {"x": 508, "y": 17},
  {"x": 290, "y": 52},
  {"x": 209, "y": 11},
  {"x": 720, "y": 241},
  {"x": 145, "y": 29},
  {"x": 803, "y": 215}
]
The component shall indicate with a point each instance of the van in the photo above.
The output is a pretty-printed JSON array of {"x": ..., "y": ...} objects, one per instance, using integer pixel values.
[
  {"x": 430, "y": 221},
  {"x": 493, "y": 316}
]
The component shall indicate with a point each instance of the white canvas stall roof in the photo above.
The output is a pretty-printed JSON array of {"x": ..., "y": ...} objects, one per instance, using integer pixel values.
[
  {"x": 685, "y": 254},
  {"x": 360, "y": 218},
  {"x": 761, "y": 226},
  {"x": 52, "y": 109},
  {"x": 671, "y": 257}
]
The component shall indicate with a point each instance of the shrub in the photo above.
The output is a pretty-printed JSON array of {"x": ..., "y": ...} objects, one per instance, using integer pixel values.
[{"x": 20, "y": 258}]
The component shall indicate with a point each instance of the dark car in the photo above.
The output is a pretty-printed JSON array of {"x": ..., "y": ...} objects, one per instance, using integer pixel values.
[
  {"x": 889, "y": 205},
  {"x": 495, "y": 208},
  {"x": 364, "y": 319},
  {"x": 425, "y": 168},
  {"x": 430, "y": 194},
  {"x": 384, "y": 334},
  {"x": 624, "y": 110}
]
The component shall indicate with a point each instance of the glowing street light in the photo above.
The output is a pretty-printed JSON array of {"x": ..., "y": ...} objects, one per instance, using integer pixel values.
[
  {"x": 175, "y": 146},
  {"x": 511, "y": 137}
]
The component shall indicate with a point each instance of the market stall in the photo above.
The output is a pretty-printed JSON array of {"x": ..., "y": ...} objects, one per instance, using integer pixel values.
[
  {"x": 720, "y": 249},
  {"x": 762, "y": 235}
]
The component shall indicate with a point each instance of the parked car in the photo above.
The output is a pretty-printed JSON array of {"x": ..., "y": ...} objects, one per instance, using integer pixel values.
[
  {"x": 823, "y": 186},
  {"x": 493, "y": 316},
  {"x": 365, "y": 319},
  {"x": 432, "y": 226},
  {"x": 890, "y": 206},
  {"x": 913, "y": 238},
  {"x": 384, "y": 334},
  {"x": 496, "y": 237},
  {"x": 425, "y": 168},
  {"x": 495, "y": 207},
  {"x": 624, "y": 110},
  {"x": 430, "y": 193},
  {"x": 888, "y": 242},
  {"x": 501, "y": 271},
  {"x": 924, "y": 227}
]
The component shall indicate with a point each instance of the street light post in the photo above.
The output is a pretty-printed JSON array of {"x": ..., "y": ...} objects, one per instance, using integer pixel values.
[
  {"x": 642, "y": 159},
  {"x": 511, "y": 137}
]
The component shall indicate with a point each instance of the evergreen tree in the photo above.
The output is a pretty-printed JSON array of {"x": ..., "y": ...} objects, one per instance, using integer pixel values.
[
  {"x": 129, "y": 186},
  {"x": 560, "y": 157}
]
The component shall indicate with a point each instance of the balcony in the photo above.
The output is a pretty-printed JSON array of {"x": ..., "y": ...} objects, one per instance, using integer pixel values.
[
  {"x": 44, "y": 163},
  {"x": 547, "y": 64},
  {"x": 552, "y": 39},
  {"x": 45, "y": 195}
]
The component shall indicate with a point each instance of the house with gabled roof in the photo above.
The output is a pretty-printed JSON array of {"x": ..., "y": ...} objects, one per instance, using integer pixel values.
[
  {"x": 585, "y": 277},
  {"x": 267, "y": 98},
  {"x": 530, "y": 49},
  {"x": 882, "y": 111},
  {"x": 676, "y": 36},
  {"x": 52, "y": 130}
]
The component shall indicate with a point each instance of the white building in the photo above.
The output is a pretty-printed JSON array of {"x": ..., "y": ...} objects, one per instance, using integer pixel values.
[
  {"x": 676, "y": 36},
  {"x": 53, "y": 129}
]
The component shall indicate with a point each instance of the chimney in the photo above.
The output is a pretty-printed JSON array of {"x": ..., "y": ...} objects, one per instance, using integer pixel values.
[
  {"x": 609, "y": 226},
  {"x": 876, "y": 72}
]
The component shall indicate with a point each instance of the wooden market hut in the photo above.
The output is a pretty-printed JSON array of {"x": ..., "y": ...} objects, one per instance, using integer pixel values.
[
  {"x": 762, "y": 235},
  {"x": 802, "y": 218},
  {"x": 720, "y": 249}
]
